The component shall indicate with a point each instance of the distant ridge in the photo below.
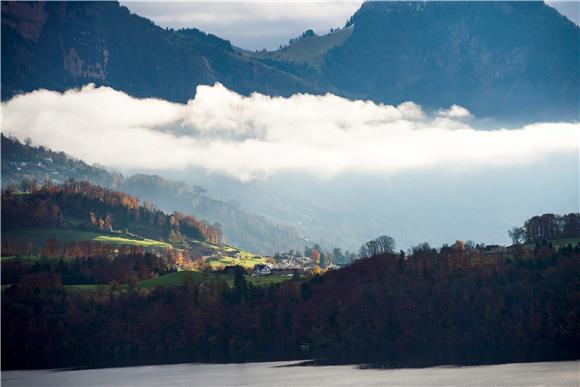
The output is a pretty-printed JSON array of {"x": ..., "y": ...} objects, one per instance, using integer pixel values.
[{"x": 243, "y": 228}]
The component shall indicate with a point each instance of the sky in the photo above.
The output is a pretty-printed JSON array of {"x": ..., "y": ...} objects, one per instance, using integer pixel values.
[
  {"x": 251, "y": 25},
  {"x": 256, "y": 25}
]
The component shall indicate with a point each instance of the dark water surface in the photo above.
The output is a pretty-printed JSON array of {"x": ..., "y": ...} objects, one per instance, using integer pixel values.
[{"x": 408, "y": 357}]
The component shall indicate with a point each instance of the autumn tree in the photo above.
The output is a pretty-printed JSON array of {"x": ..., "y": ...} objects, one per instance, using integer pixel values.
[
  {"x": 315, "y": 256},
  {"x": 51, "y": 248}
]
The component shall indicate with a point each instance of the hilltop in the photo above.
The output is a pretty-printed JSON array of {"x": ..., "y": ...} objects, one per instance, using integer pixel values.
[{"x": 308, "y": 49}]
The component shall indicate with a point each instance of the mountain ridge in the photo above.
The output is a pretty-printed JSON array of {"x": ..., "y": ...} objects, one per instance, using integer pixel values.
[
  {"x": 65, "y": 45},
  {"x": 511, "y": 61},
  {"x": 504, "y": 59}
]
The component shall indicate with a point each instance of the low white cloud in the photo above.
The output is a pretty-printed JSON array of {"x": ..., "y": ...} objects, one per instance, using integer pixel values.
[
  {"x": 455, "y": 111},
  {"x": 248, "y": 137}
]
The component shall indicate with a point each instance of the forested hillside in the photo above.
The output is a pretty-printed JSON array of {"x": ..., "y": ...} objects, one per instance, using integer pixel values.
[
  {"x": 22, "y": 163},
  {"x": 447, "y": 297},
  {"x": 90, "y": 207}
]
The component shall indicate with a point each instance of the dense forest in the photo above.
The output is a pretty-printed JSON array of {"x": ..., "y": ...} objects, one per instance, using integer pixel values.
[
  {"x": 98, "y": 208},
  {"x": 451, "y": 296}
]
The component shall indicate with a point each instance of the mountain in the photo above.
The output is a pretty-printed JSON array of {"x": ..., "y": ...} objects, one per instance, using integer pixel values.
[
  {"x": 498, "y": 59},
  {"x": 61, "y": 45},
  {"x": 22, "y": 162},
  {"x": 506, "y": 60}
]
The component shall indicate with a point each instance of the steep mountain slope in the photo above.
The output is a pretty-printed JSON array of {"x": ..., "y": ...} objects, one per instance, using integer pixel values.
[
  {"x": 498, "y": 59},
  {"x": 240, "y": 227},
  {"x": 58, "y": 45},
  {"x": 508, "y": 60}
]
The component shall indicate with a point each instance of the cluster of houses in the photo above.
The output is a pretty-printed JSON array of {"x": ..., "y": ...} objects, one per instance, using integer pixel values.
[
  {"x": 43, "y": 167},
  {"x": 289, "y": 265},
  {"x": 57, "y": 170}
]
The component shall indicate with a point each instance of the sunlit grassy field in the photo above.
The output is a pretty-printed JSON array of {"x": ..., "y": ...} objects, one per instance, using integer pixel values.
[
  {"x": 39, "y": 235},
  {"x": 120, "y": 240},
  {"x": 245, "y": 259}
]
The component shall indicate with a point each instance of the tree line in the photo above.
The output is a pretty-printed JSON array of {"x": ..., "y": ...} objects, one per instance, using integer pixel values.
[
  {"x": 128, "y": 267},
  {"x": 546, "y": 227},
  {"x": 447, "y": 296}
]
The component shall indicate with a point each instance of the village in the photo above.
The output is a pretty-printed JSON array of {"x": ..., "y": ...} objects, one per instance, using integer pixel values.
[{"x": 281, "y": 264}]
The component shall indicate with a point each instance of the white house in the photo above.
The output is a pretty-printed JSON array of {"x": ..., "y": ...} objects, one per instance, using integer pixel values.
[{"x": 261, "y": 269}]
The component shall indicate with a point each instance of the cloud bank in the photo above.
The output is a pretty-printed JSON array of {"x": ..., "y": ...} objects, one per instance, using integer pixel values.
[{"x": 248, "y": 137}]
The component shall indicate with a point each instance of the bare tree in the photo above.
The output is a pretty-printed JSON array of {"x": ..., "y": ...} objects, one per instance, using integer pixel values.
[
  {"x": 381, "y": 245},
  {"x": 517, "y": 234}
]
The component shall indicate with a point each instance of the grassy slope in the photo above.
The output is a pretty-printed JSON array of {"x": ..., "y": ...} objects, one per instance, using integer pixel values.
[
  {"x": 310, "y": 50},
  {"x": 227, "y": 258},
  {"x": 39, "y": 235},
  {"x": 246, "y": 260},
  {"x": 120, "y": 240},
  {"x": 65, "y": 236}
]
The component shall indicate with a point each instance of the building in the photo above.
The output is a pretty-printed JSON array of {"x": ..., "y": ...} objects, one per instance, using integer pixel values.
[{"x": 261, "y": 270}]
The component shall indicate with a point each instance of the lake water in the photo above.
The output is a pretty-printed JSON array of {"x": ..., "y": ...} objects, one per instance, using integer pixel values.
[{"x": 561, "y": 373}]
